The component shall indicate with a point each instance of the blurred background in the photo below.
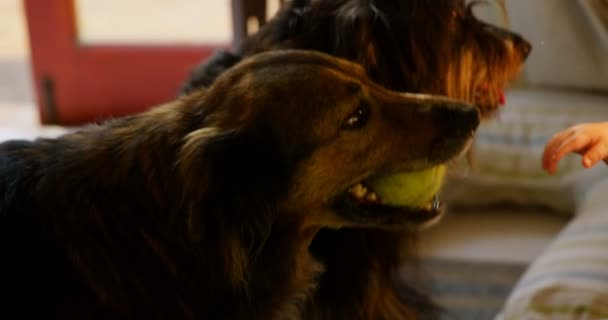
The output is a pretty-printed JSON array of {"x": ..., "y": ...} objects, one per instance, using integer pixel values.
[
  {"x": 66, "y": 62},
  {"x": 16, "y": 93},
  {"x": 196, "y": 27}
]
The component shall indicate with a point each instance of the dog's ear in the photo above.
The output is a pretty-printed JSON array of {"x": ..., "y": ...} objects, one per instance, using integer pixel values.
[
  {"x": 204, "y": 74},
  {"x": 197, "y": 155},
  {"x": 296, "y": 12},
  {"x": 227, "y": 175},
  {"x": 216, "y": 163},
  {"x": 209, "y": 166},
  {"x": 224, "y": 169},
  {"x": 363, "y": 33},
  {"x": 355, "y": 19}
]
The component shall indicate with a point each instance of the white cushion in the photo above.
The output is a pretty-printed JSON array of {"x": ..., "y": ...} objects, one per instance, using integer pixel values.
[
  {"x": 508, "y": 152},
  {"x": 570, "y": 278}
]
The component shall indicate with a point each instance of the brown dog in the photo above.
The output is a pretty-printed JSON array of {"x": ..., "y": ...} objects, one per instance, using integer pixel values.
[
  {"x": 426, "y": 46},
  {"x": 205, "y": 208}
]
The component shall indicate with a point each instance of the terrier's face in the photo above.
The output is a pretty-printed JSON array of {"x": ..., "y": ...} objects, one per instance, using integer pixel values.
[
  {"x": 437, "y": 47},
  {"x": 482, "y": 60},
  {"x": 422, "y": 46}
]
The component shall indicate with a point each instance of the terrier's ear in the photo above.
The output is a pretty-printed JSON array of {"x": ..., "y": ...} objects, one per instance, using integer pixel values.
[
  {"x": 299, "y": 4},
  {"x": 361, "y": 32},
  {"x": 205, "y": 73}
]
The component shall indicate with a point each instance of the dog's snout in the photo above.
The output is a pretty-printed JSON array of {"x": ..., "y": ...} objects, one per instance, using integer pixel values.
[
  {"x": 456, "y": 119},
  {"x": 455, "y": 125},
  {"x": 520, "y": 44},
  {"x": 524, "y": 47}
]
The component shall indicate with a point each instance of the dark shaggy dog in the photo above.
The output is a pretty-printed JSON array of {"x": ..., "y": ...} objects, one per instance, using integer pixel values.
[
  {"x": 429, "y": 46},
  {"x": 205, "y": 208}
]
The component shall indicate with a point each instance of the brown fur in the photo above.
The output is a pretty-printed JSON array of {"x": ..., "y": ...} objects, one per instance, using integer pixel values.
[
  {"x": 205, "y": 208},
  {"x": 428, "y": 46}
]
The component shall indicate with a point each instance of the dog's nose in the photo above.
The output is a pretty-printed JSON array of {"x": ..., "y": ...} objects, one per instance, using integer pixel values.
[
  {"x": 456, "y": 124},
  {"x": 524, "y": 47},
  {"x": 519, "y": 43},
  {"x": 456, "y": 119}
]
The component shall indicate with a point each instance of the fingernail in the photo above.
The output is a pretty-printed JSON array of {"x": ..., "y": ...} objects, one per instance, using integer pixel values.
[{"x": 587, "y": 162}]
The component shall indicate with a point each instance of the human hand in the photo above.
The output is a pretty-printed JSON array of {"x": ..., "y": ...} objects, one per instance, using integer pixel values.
[{"x": 588, "y": 139}]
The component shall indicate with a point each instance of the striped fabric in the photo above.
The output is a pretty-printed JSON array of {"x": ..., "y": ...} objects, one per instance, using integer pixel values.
[
  {"x": 508, "y": 154},
  {"x": 467, "y": 289},
  {"x": 569, "y": 280}
]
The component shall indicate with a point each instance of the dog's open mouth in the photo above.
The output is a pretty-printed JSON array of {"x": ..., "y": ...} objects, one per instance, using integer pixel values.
[
  {"x": 365, "y": 196},
  {"x": 397, "y": 198}
]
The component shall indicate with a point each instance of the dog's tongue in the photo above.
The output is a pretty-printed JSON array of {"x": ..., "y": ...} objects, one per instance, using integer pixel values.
[{"x": 501, "y": 97}]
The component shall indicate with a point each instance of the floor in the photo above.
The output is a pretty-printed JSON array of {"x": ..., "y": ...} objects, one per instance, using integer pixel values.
[{"x": 473, "y": 235}]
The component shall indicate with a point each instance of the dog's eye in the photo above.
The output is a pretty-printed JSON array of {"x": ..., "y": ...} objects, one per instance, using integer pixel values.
[{"x": 358, "y": 118}]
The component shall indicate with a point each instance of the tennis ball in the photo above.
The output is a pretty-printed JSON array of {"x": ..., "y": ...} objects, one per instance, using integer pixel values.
[{"x": 411, "y": 189}]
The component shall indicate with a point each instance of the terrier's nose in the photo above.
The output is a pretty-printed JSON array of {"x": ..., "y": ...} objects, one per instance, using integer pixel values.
[
  {"x": 519, "y": 43},
  {"x": 524, "y": 47}
]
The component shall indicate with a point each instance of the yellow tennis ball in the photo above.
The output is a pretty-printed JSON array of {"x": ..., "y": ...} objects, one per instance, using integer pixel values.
[{"x": 411, "y": 189}]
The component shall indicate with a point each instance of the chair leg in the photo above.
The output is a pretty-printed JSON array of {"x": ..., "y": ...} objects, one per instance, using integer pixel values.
[{"x": 242, "y": 10}]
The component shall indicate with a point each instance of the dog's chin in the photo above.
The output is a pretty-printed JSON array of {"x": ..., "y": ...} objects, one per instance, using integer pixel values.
[
  {"x": 489, "y": 98},
  {"x": 369, "y": 211}
]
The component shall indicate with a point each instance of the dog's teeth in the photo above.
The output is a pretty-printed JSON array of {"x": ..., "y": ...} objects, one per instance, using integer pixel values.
[
  {"x": 372, "y": 197},
  {"x": 436, "y": 205},
  {"x": 358, "y": 191}
]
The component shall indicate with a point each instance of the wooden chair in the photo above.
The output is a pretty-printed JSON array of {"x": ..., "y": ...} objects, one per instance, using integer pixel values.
[
  {"x": 242, "y": 11},
  {"x": 76, "y": 83}
]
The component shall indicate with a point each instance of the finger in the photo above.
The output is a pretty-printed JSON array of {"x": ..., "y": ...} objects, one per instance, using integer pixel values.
[
  {"x": 555, "y": 142},
  {"x": 546, "y": 160},
  {"x": 552, "y": 146},
  {"x": 575, "y": 143},
  {"x": 595, "y": 154}
]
